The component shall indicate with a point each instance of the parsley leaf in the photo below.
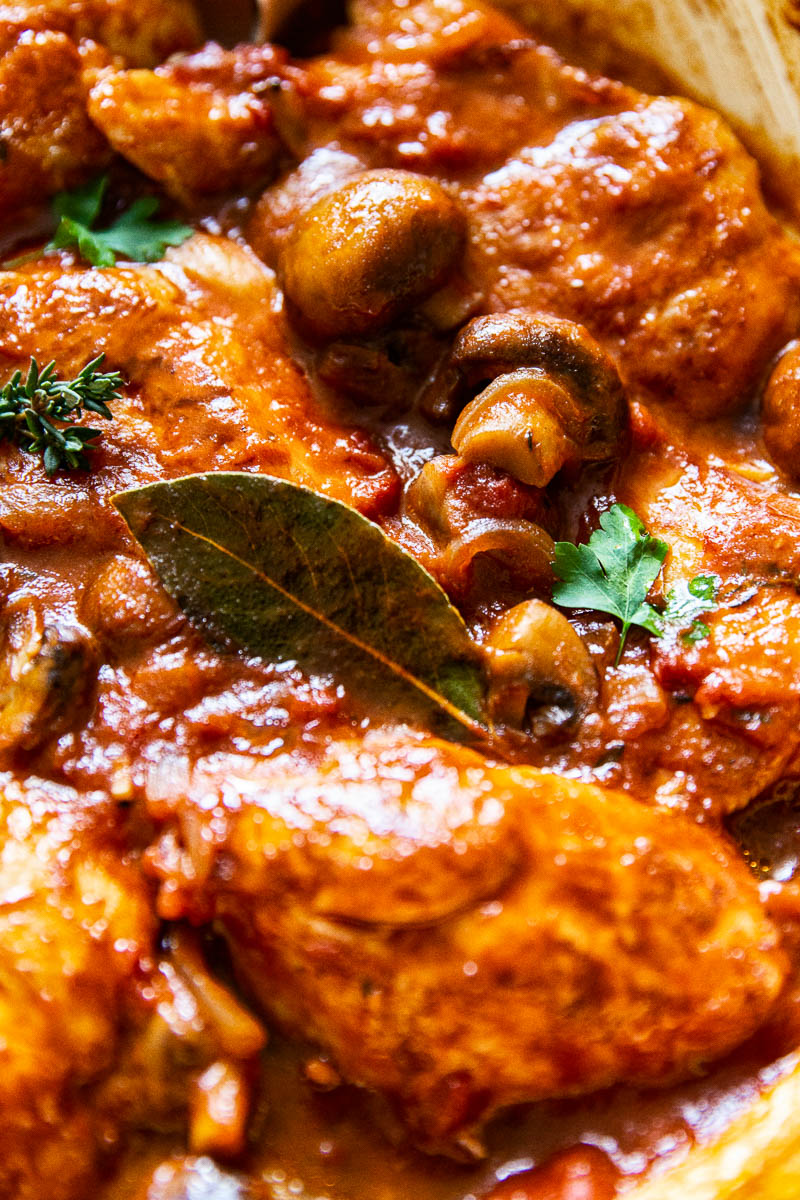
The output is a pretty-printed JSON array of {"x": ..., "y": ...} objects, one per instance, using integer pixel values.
[
  {"x": 698, "y": 633},
  {"x": 82, "y": 204},
  {"x": 133, "y": 235},
  {"x": 613, "y": 572},
  {"x": 685, "y": 603}
]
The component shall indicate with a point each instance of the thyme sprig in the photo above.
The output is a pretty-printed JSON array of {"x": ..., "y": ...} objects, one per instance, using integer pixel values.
[{"x": 37, "y": 411}]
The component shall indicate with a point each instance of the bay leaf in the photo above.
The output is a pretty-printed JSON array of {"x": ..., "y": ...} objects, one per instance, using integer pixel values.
[{"x": 285, "y": 574}]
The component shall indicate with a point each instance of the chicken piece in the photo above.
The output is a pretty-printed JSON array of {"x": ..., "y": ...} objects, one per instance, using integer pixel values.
[
  {"x": 640, "y": 218},
  {"x": 143, "y": 32},
  {"x": 605, "y": 941},
  {"x": 47, "y": 66},
  {"x": 450, "y": 88},
  {"x": 648, "y": 227},
  {"x": 96, "y": 1033},
  {"x": 74, "y": 923},
  {"x": 46, "y": 145},
  {"x": 197, "y": 126},
  {"x": 210, "y": 387},
  {"x": 743, "y": 725}
]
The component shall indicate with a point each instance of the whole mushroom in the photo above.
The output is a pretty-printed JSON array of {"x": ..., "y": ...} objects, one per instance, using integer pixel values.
[
  {"x": 542, "y": 675},
  {"x": 780, "y": 411},
  {"x": 369, "y": 250}
]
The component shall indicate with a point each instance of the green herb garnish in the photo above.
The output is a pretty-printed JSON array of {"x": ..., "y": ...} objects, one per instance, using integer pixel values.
[
  {"x": 133, "y": 235},
  {"x": 685, "y": 603},
  {"x": 614, "y": 571},
  {"x": 36, "y": 411}
]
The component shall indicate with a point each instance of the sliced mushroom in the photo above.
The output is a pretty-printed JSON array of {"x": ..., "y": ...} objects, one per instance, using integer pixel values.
[
  {"x": 47, "y": 674},
  {"x": 462, "y": 537},
  {"x": 368, "y": 250},
  {"x": 525, "y": 548},
  {"x": 427, "y": 498},
  {"x": 555, "y": 397},
  {"x": 542, "y": 675},
  {"x": 519, "y": 423}
]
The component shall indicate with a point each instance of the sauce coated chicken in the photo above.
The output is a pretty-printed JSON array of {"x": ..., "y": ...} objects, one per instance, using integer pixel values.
[{"x": 481, "y": 297}]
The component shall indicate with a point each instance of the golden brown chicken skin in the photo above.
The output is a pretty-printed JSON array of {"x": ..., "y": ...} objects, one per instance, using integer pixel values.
[
  {"x": 638, "y": 217},
  {"x": 46, "y": 148},
  {"x": 76, "y": 923},
  {"x": 143, "y": 32},
  {"x": 210, "y": 386},
  {"x": 200, "y": 124},
  {"x": 50, "y": 55},
  {"x": 462, "y": 936}
]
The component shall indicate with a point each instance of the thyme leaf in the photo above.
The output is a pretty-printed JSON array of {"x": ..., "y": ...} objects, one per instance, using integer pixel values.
[{"x": 37, "y": 411}]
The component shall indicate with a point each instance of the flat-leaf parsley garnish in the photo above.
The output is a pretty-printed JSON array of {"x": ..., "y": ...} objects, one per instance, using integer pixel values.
[
  {"x": 36, "y": 411},
  {"x": 133, "y": 235},
  {"x": 614, "y": 571},
  {"x": 685, "y": 603}
]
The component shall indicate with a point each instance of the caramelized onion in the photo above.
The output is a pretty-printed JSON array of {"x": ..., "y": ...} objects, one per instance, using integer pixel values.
[
  {"x": 219, "y": 1110},
  {"x": 238, "y": 1033}
]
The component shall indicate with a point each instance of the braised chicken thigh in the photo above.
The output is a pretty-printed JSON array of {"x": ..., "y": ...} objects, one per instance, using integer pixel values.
[{"x": 402, "y": 919}]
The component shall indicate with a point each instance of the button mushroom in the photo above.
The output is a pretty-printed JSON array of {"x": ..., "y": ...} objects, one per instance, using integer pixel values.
[
  {"x": 542, "y": 675},
  {"x": 780, "y": 412},
  {"x": 523, "y": 548},
  {"x": 554, "y": 400},
  {"x": 48, "y": 673},
  {"x": 368, "y": 250}
]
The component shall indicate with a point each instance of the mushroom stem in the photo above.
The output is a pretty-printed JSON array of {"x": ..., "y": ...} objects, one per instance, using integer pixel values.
[{"x": 554, "y": 398}]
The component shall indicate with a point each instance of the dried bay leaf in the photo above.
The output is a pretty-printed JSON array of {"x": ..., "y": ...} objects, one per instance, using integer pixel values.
[{"x": 285, "y": 574}]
